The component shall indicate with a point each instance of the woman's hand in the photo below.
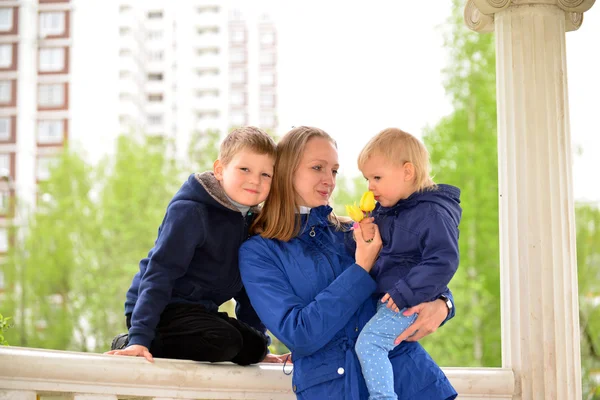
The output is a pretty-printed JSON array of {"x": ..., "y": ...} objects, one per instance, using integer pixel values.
[
  {"x": 367, "y": 226},
  {"x": 134, "y": 350},
  {"x": 366, "y": 252},
  {"x": 431, "y": 316},
  {"x": 275, "y": 358}
]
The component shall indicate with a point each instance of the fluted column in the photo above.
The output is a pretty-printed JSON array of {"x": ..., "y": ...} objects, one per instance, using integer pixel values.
[{"x": 540, "y": 320}]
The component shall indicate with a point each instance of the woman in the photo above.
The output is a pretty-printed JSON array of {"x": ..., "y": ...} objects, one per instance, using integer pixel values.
[{"x": 313, "y": 295}]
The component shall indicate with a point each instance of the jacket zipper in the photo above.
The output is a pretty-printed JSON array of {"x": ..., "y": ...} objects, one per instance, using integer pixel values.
[{"x": 312, "y": 234}]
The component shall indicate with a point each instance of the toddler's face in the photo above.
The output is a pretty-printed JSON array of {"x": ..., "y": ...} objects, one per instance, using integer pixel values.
[{"x": 389, "y": 182}]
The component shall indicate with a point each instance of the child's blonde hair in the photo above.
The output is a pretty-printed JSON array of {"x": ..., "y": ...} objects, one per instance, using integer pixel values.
[
  {"x": 400, "y": 147},
  {"x": 246, "y": 137}
]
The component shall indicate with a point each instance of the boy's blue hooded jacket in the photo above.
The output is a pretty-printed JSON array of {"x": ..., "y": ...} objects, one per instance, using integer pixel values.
[
  {"x": 194, "y": 259},
  {"x": 420, "y": 245}
]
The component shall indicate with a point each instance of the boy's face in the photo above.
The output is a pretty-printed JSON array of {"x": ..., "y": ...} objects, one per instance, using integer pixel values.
[
  {"x": 246, "y": 179},
  {"x": 389, "y": 182}
]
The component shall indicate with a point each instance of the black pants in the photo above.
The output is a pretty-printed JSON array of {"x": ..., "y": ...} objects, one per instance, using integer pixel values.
[{"x": 191, "y": 332}]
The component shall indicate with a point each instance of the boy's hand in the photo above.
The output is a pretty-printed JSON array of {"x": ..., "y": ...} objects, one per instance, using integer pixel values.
[
  {"x": 135, "y": 350},
  {"x": 390, "y": 302},
  {"x": 368, "y": 228},
  {"x": 276, "y": 358}
]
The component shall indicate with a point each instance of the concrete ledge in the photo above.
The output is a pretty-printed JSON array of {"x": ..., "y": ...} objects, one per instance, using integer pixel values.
[{"x": 51, "y": 371}]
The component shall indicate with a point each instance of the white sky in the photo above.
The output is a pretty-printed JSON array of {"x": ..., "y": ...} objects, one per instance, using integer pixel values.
[{"x": 354, "y": 69}]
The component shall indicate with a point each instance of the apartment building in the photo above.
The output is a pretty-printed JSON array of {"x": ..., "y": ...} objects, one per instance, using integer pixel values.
[{"x": 83, "y": 72}]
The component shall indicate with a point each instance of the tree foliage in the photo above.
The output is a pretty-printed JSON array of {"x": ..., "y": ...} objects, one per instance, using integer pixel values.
[{"x": 68, "y": 273}]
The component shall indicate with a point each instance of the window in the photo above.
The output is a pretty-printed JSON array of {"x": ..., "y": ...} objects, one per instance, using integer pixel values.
[
  {"x": 5, "y": 128},
  {"x": 155, "y": 98},
  {"x": 238, "y": 36},
  {"x": 208, "y": 30},
  {"x": 52, "y": 59},
  {"x": 155, "y": 14},
  {"x": 208, "y": 72},
  {"x": 155, "y": 119},
  {"x": 4, "y": 166},
  {"x": 238, "y": 98},
  {"x": 238, "y": 56},
  {"x": 51, "y": 95},
  {"x": 155, "y": 77},
  {"x": 157, "y": 55},
  {"x": 267, "y": 100},
  {"x": 267, "y": 78},
  {"x": 52, "y": 23},
  {"x": 267, "y": 38},
  {"x": 267, "y": 58},
  {"x": 124, "y": 53},
  {"x": 238, "y": 75},
  {"x": 154, "y": 35},
  {"x": 267, "y": 120},
  {"x": 5, "y": 91},
  {"x": 5, "y": 55},
  {"x": 238, "y": 119},
  {"x": 44, "y": 165},
  {"x": 6, "y": 19},
  {"x": 208, "y": 93},
  {"x": 208, "y": 114},
  {"x": 124, "y": 31},
  {"x": 124, "y": 8},
  {"x": 4, "y": 201},
  {"x": 3, "y": 240},
  {"x": 208, "y": 50},
  {"x": 208, "y": 9},
  {"x": 50, "y": 132}
]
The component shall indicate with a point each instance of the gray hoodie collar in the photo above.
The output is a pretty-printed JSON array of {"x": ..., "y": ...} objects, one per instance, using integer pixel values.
[{"x": 215, "y": 190}]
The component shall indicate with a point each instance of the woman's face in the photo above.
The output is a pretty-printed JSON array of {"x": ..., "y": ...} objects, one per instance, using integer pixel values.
[{"x": 314, "y": 179}]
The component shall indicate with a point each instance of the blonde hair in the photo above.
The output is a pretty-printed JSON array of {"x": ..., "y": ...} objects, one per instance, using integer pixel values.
[
  {"x": 400, "y": 147},
  {"x": 246, "y": 137},
  {"x": 279, "y": 217}
]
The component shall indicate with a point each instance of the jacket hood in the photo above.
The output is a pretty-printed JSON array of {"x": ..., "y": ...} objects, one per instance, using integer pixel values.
[
  {"x": 446, "y": 196},
  {"x": 205, "y": 188}
]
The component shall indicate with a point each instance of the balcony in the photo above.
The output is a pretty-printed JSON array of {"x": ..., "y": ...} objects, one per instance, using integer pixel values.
[{"x": 26, "y": 373}]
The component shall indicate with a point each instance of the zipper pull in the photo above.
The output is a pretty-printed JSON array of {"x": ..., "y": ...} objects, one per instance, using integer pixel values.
[{"x": 312, "y": 232}]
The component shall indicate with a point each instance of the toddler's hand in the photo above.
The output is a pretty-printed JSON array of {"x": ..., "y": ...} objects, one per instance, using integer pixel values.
[
  {"x": 367, "y": 227},
  {"x": 390, "y": 302}
]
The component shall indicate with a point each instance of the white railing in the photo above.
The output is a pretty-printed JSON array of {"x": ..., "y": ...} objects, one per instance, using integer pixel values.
[{"x": 26, "y": 373}]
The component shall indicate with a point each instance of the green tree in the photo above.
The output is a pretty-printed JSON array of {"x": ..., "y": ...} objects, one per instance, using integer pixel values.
[
  {"x": 588, "y": 270},
  {"x": 203, "y": 150},
  {"x": 67, "y": 278},
  {"x": 42, "y": 269},
  {"x": 463, "y": 148},
  {"x": 137, "y": 186}
]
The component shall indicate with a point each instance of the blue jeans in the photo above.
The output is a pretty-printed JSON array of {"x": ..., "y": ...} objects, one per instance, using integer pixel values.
[{"x": 372, "y": 347}]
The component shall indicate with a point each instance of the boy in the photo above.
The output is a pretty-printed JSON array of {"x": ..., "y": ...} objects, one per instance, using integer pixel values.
[
  {"x": 171, "y": 306},
  {"x": 418, "y": 221}
]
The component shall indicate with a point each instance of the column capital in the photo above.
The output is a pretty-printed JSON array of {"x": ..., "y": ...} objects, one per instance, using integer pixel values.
[{"x": 479, "y": 14}]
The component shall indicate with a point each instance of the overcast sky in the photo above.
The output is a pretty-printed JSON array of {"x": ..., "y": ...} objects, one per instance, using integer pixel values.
[{"x": 353, "y": 69}]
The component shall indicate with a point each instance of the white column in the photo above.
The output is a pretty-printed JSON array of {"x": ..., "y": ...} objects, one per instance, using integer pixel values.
[
  {"x": 17, "y": 395},
  {"x": 84, "y": 396},
  {"x": 540, "y": 320}
]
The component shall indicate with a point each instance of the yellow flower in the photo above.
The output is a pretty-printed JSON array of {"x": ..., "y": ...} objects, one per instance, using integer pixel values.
[
  {"x": 367, "y": 202},
  {"x": 355, "y": 213}
]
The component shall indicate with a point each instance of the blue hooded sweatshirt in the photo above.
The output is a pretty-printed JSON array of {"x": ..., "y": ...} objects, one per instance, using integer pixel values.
[
  {"x": 420, "y": 245},
  {"x": 194, "y": 259}
]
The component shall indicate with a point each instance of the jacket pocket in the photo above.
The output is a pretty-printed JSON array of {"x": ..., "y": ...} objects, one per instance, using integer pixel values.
[
  {"x": 183, "y": 289},
  {"x": 306, "y": 376}
]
